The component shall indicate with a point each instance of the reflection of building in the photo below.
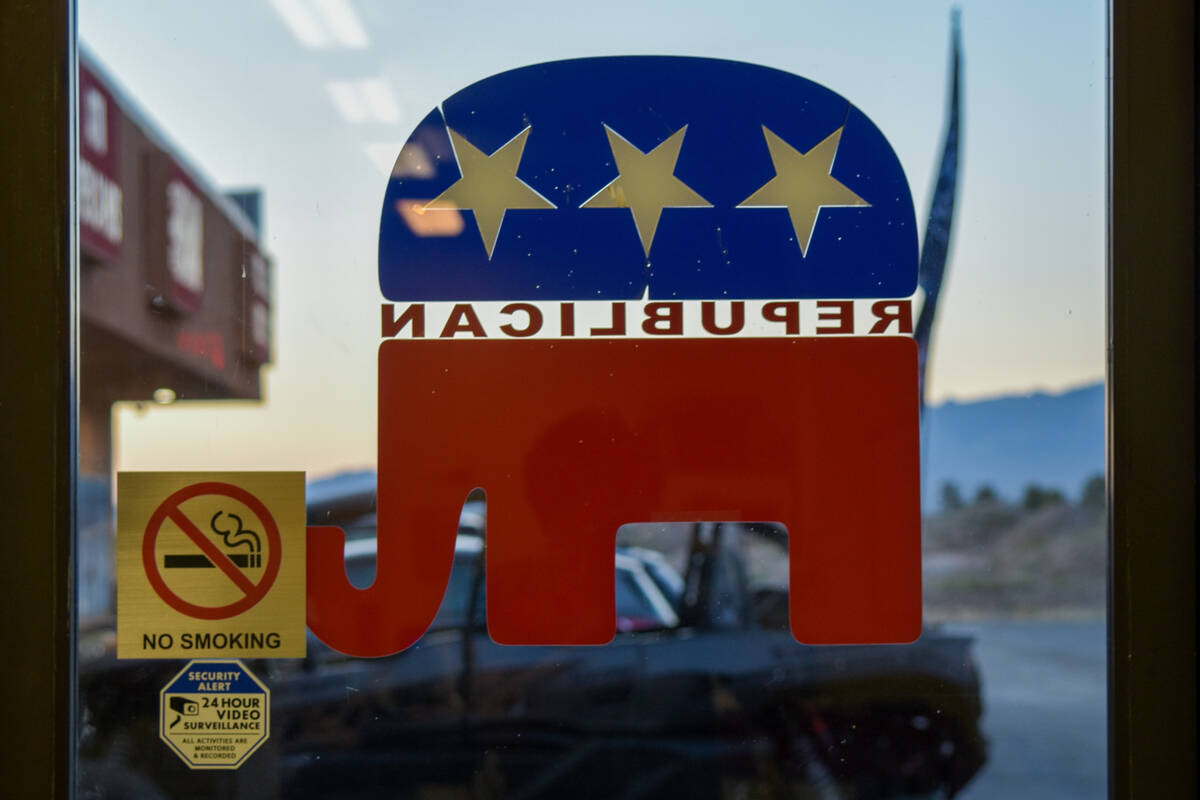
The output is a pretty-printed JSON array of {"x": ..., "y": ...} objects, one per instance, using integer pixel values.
[{"x": 174, "y": 296}]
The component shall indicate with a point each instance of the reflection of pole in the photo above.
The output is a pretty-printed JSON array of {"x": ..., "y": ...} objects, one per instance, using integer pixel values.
[{"x": 936, "y": 245}]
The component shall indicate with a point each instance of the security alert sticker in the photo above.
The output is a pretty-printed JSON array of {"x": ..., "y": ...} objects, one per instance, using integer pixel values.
[
  {"x": 214, "y": 714},
  {"x": 210, "y": 564}
]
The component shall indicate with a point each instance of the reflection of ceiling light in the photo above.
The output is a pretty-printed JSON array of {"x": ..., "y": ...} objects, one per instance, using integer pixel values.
[
  {"x": 301, "y": 23},
  {"x": 413, "y": 162},
  {"x": 343, "y": 23},
  {"x": 318, "y": 24},
  {"x": 346, "y": 97},
  {"x": 367, "y": 100},
  {"x": 383, "y": 155},
  {"x": 443, "y": 222},
  {"x": 379, "y": 99},
  {"x": 164, "y": 396}
]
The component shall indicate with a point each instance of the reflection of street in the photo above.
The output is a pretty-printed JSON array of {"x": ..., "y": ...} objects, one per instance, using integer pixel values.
[{"x": 1044, "y": 697}]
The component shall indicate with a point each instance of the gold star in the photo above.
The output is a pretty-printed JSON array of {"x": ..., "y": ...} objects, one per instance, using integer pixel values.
[
  {"x": 646, "y": 183},
  {"x": 489, "y": 185},
  {"x": 803, "y": 184}
]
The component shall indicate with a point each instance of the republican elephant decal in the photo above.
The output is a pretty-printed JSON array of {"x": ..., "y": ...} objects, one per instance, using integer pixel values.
[{"x": 651, "y": 187}]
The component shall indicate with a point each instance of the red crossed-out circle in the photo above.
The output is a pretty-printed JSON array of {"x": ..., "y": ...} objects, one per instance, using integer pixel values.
[{"x": 251, "y": 592}]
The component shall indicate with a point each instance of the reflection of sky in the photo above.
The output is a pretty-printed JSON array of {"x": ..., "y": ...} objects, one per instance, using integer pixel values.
[{"x": 315, "y": 112}]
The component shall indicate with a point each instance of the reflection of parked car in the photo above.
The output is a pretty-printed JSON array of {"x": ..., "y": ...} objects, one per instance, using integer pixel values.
[
  {"x": 640, "y": 578},
  {"x": 702, "y": 693}
]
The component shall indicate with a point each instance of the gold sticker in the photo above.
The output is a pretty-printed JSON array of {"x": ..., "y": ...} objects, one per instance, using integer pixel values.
[
  {"x": 214, "y": 714},
  {"x": 210, "y": 564}
]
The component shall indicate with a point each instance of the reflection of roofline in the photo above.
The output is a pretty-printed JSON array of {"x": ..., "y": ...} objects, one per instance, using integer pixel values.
[
  {"x": 361, "y": 548},
  {"x": 135, "y": 114},
  {"x": 354, "y": 492},
  {"x": 349, "y": 498},
  {"x": 359, "y": 486}
]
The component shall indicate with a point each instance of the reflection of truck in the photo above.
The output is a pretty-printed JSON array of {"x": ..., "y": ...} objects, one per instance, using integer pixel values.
[{"x": 703, "y": 694}]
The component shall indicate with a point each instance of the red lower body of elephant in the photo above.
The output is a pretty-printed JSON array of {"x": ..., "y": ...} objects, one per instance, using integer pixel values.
[{"x": 570, "y": 439}]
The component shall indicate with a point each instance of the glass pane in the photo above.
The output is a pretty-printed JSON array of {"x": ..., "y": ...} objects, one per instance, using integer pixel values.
[{"x": 234, "y": 160}]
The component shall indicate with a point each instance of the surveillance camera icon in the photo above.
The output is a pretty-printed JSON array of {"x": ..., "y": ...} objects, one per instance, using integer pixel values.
[{"x": 183, "y": 707}]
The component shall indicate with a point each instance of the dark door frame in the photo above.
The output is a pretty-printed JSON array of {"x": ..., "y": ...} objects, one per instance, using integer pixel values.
[
  {"x": 1152, "y": 371},
  {"x": 37, "y": 431},
  {"x": 1152, "y": 461}
]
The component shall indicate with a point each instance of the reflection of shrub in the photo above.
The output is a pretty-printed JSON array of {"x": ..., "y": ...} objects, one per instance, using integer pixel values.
[
  {"x": 972, "y": 526},
  {"x": 1003, "y": 559},
  {"x": 1093, "y": 495},
  {"x": 952, "y": 499},
  {"x": 986, "y": 583},
  {"x": 1037, "y": 497},
  {"x": 985, "y": 495}
]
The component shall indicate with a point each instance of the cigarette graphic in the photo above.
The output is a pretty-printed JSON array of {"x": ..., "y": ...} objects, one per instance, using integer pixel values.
[
  {"x": 200, "y": 561},
  {"x": 238, "y": 537}
]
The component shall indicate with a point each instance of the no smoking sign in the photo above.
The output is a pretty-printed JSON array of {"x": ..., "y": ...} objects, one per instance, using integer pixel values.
[{"x": 210, "y": 564}]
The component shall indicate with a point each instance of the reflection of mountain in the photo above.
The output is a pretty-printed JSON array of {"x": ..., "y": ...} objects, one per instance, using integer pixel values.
[{"x": 1056, "y": 441}]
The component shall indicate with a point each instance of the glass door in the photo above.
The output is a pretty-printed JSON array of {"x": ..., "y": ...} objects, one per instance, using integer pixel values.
[{"x": 245, "y": 308}]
